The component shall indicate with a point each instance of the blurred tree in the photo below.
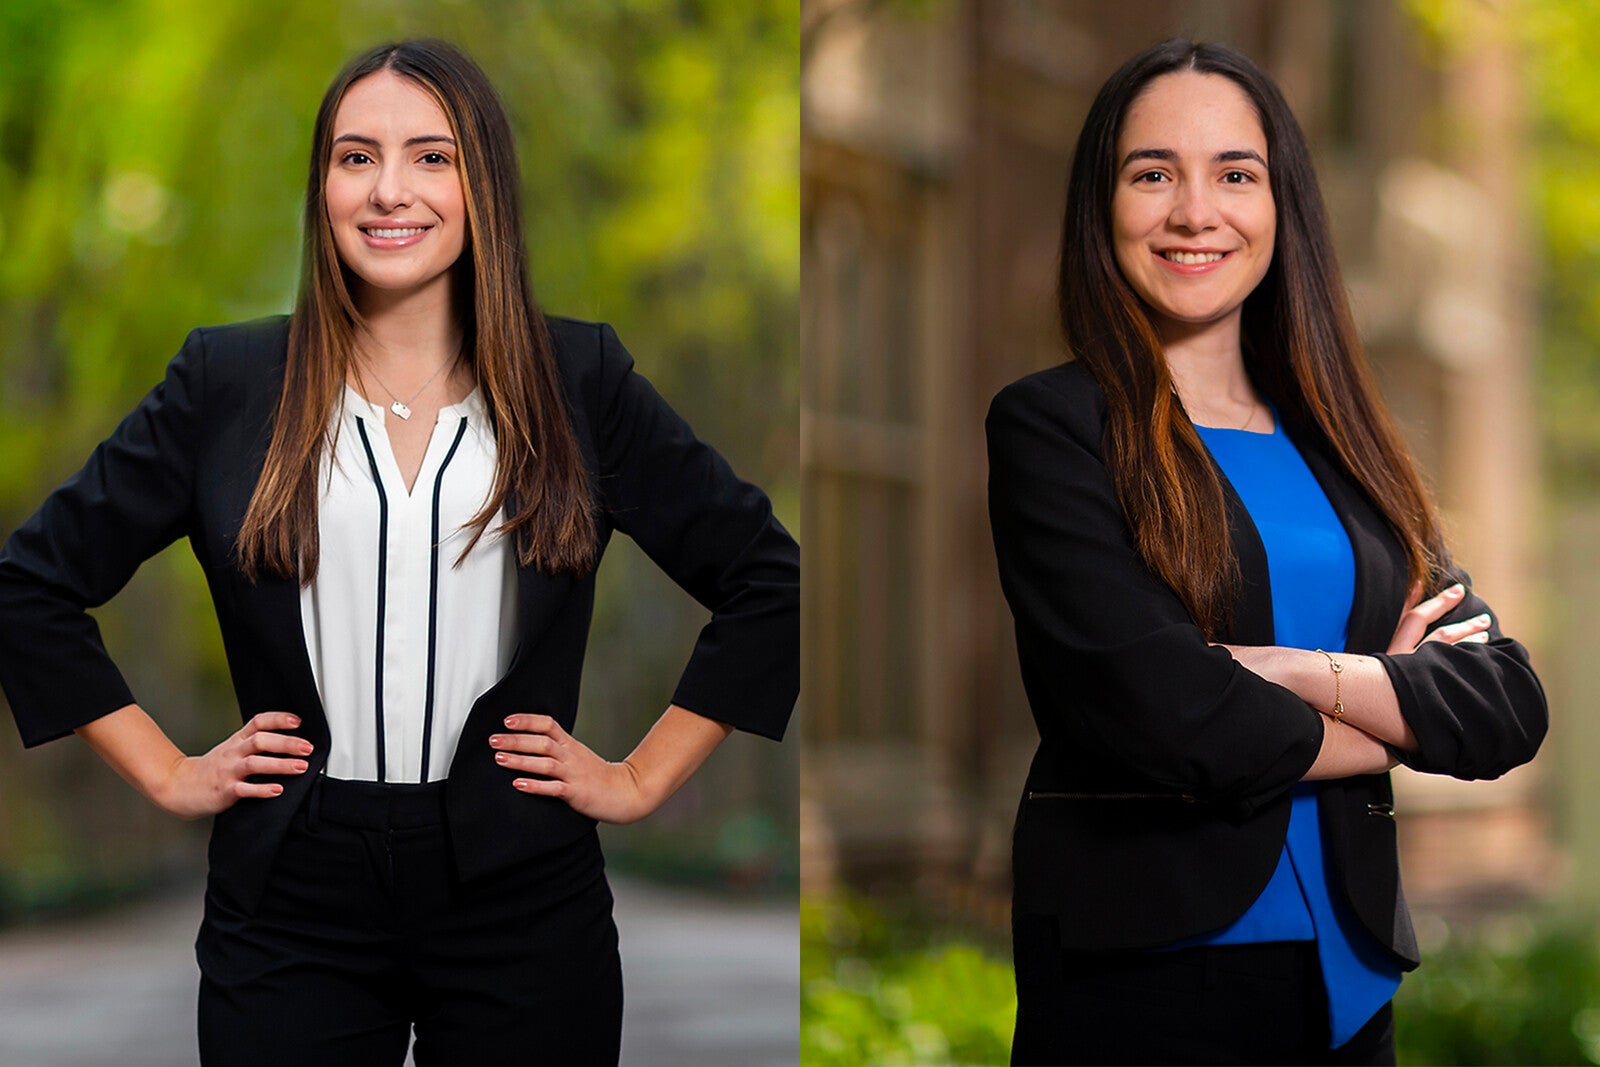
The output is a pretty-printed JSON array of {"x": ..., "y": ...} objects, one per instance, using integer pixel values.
[
  {"x": 152, "y": 168},
  {"x": 1559, "y": 39}
]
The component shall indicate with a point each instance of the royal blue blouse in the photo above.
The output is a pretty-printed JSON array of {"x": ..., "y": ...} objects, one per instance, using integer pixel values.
[{"x": 1312, "y": 571}]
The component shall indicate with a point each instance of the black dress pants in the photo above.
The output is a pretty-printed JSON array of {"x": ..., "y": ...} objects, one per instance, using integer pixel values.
[
  {"x": 364, "y": 932},
  {"x": 1211, "y": 1004}
]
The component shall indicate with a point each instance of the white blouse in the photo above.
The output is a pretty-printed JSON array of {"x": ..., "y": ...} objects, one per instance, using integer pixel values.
[{"x": 402, "y": 641}]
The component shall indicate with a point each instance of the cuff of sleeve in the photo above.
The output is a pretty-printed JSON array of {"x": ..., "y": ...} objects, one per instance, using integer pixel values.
[
  {"x": 90, "y": 702},
  {"x": 1297, "y": 760},
  {"x": 757, "y": 701},
  {"x": 1406, "y": 693}
]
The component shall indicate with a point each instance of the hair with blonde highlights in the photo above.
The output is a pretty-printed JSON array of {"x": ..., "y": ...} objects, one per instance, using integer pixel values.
[
  {"x": 1300, "y": 348},
  {"x": 540, "y": 478}
]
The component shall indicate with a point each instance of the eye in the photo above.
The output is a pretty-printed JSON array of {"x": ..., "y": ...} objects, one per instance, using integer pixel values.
[
  {"x": 355, "y": 158},
  {"x": 1238, "y": 177},
  {"x": 435, "y": 159},
  {"x": 1150, "y": 177}
]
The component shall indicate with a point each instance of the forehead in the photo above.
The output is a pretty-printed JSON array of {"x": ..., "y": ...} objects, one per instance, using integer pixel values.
[
  {"x": 384, "y": 103},
  {"x": 1187, "y": 111}
]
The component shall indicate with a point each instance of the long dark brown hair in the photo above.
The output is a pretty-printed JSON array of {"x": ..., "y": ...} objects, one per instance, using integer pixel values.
[
  {"x": 540, "y": 476},
  {"x": 1300, "y": 349}
]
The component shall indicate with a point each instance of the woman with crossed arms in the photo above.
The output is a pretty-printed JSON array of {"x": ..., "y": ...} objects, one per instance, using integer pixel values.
[{"x": 1234, "y": 608}]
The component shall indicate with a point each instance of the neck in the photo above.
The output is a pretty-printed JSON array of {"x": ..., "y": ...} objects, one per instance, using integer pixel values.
[
  {"x": 408, "y": 333},
  {"x": 1207, "y": 367}
]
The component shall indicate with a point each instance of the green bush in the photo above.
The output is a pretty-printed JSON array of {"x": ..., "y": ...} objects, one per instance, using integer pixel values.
[
  {"x": 1514, "y": 991},
  {"x": 880, "y": 992}
]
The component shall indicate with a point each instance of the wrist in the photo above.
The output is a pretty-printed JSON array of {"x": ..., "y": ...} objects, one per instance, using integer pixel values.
[
  {"x": 1330, "y": 668},
  {"x": 647, "y": 794},
  {"x": 164, "y": 788}
]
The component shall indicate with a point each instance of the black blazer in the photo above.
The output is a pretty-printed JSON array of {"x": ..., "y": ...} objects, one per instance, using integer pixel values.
[
  {"x": 185, "y": 463},
  {"x": 1158, "y": 802}
]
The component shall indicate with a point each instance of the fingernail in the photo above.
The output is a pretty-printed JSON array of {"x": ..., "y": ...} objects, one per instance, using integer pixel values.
[
  {"x": 277, "y": 790},
  {"x": 508, "y": 721},
  {"x": 496, "y": 741},
  {"x": 1482, "y": 620},
  {"x": 300, "y": 765},
  {"x": 500, "y": 757},
  {"x": 1455, "y": 590}
]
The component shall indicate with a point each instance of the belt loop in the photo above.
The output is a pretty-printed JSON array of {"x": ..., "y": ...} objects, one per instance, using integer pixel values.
[{"x": 314, "y": 805}]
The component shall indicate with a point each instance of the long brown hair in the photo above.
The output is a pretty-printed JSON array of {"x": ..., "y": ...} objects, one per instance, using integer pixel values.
[
  {"x": 1300, "y": 349},
  {"x": 540, "y": 478}
]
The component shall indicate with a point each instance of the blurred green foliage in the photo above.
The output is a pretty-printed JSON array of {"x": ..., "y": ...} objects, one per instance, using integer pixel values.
[
  {"x": 877, "y": 988},
  {"x": 1563, "y": 37},
  {"x": 153, "y": 159},
  {"x": 880, "y": 987},
  {"x": 1557, "y": 41},
  {"x": 1514, "y": 991}
]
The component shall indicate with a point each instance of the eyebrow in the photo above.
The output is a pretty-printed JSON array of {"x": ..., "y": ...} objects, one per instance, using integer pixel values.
[
  {"x": 1232, "y": 155},
  {"x": 429, "y": 138}
]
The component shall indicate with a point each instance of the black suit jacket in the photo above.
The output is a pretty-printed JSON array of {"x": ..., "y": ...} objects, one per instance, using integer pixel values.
[
  {"x": 1158, "y": 802},
  {"x": 186, "y": 462}
]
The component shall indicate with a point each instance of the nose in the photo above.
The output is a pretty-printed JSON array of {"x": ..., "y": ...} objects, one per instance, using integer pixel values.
[
  {"x": 390, "y": 189},
  {"x": 1195, "y": 208}
]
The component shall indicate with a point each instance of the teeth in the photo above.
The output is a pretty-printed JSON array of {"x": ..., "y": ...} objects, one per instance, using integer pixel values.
[
  {"x": 1189, "y": 259},
  {"x": 395, "y": 233}
]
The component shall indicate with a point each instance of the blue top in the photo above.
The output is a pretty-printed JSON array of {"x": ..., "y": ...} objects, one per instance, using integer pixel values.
[{"x": 1312, "y": 573}]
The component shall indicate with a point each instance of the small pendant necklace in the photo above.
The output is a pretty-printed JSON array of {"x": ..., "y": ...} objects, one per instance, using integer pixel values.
[{"x": 402, "y": 408}]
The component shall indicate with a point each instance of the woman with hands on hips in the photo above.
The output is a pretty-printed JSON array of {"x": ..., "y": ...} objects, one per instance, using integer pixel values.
[
  {"x": 399, "y": 495},
  {"x": 1234, "y": 608}
]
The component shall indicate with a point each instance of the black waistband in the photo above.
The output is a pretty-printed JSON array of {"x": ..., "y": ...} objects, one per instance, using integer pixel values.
[{"x": 377, "y": 805}]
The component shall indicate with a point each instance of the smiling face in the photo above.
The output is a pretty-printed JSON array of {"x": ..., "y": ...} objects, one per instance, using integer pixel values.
[
  {"x": 393, "y": 189},
  {"x": 1192, "y": 216}
]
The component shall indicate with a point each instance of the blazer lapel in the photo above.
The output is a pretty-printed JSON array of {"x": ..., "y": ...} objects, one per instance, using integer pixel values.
[
  {"x": 1252, "y": 622},
  {"x": 1380, "y": 565},
  {"x": 276, "y": 603},
  {"x": 539, "y": 595}
]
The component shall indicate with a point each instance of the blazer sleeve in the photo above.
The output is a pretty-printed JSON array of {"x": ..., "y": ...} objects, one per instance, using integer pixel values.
[
  {"x": 1477, "y": 710},
  {"x": 1111, "y": 659},
  {"x": 129, "y": 501},
  {"x": 716, "y": 536}
]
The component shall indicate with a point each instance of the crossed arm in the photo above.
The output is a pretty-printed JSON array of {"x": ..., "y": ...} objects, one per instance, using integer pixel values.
[{"x": 1371, "y": 719}]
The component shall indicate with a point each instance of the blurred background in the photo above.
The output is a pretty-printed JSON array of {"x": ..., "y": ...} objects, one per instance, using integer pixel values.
[
  {"x": 1458, "y": 146},
  {"x": 153, "y": 158}
]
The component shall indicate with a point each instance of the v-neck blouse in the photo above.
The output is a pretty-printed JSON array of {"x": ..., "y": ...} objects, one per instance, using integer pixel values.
[{"x": 402, "y": 639}]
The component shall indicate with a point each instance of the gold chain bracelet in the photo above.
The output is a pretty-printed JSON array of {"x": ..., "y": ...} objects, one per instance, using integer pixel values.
[{"x": 1338, "y": 696}]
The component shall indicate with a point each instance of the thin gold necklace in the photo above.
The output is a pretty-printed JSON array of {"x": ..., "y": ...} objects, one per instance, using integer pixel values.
[
  {"x": 1254, "y": 410},
  {"x": 400, "y": 407}
]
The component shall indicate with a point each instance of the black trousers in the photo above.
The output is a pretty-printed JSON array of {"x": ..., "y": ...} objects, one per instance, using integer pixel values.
[
  {"x": 1253, "y": 1004},
  {"x": 365, "y": 933}
]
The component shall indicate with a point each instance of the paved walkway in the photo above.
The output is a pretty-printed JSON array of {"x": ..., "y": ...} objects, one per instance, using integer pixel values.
[{"x": 709, "y": 982}]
